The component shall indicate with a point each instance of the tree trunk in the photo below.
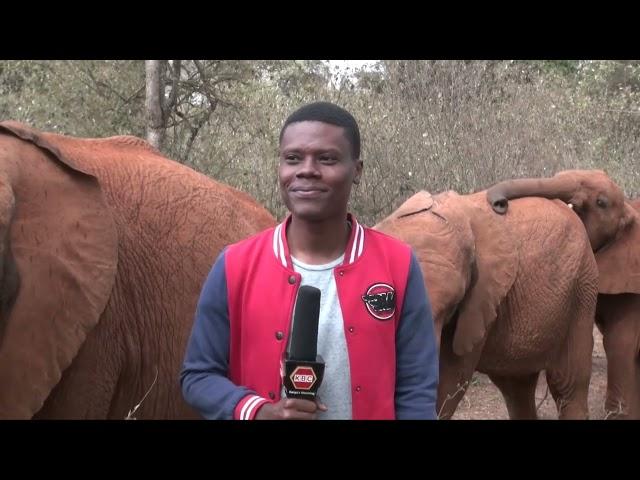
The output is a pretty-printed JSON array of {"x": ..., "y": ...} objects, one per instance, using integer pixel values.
[{"x": 153, "y": 102}]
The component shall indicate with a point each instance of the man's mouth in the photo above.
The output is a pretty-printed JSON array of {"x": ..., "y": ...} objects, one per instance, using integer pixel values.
[{"x": 307, "y": 192}]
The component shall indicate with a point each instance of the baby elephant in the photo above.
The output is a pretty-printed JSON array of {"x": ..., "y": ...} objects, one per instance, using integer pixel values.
[{"x": 512, "y": 295}]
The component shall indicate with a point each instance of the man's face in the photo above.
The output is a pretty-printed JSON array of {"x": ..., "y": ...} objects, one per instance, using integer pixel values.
[{"x": 316, "y": 170}]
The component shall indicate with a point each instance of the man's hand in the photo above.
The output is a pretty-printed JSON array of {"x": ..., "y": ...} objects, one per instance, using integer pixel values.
[{"x": 290, "y": 409}]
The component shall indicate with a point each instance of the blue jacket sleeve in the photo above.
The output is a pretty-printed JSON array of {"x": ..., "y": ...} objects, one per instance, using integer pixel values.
[
  {"x": 204, "y": 376},
  {"x": 416, "y": 352}
]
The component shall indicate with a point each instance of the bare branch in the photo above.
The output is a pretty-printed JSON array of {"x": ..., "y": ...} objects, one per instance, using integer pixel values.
[
  {"x": 460, "y": 388},
  {"x": 619, "y": 410},
  {"x": 193, "y": 134},
  {"x": 175, "y": 79},
  {"x": 133, "y": 410},
  {"x": 543, "y": 399}
]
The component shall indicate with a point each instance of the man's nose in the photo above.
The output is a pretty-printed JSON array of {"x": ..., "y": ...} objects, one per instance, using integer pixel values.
[{"x": 308, "y": 168}]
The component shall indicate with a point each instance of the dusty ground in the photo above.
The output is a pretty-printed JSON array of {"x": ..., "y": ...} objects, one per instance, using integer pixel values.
[{"x": 484, "y": 401}]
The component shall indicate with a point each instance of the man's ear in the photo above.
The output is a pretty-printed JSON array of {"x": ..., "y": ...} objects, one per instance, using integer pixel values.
[{"x": 356, "y": 179}]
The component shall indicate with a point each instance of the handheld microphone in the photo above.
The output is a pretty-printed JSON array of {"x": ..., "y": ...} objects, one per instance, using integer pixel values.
[{"x": 303, "y": 367}]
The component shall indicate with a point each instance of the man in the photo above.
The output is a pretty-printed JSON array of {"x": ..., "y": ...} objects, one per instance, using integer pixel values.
[{"x": 375, "y": 331}]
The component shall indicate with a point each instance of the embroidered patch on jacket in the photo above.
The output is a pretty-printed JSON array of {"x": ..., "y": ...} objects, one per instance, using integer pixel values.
[{"x": 380, "y": 300}]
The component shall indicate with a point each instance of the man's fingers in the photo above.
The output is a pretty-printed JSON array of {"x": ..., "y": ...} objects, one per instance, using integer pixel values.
[
  {"x": 301, "y": 405},
  {"x": 321, "y": 406}
]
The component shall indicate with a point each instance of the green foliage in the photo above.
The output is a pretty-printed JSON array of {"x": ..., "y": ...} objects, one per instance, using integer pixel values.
[
  {"x": 432, "y": 125},
  {"x": 84, "y": 98},
  {"x": 563, "y": 68}
]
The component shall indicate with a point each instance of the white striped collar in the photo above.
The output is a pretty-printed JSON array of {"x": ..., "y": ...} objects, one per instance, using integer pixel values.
[{"x": 355, "y": 245}]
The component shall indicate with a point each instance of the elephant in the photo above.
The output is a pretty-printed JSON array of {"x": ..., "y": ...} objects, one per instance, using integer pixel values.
[
  {"x": 104, "y": 247},
  {"x": 613, "y": 226},
  {"x": 510, "y": 296}
]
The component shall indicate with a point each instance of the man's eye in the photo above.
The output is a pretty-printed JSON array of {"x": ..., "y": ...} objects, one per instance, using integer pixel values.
[
  {"x": 328, "y": 159},
  {"x": 291, "y": 158}
]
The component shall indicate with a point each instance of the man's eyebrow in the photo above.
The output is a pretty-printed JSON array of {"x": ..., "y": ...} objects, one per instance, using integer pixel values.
[{"x": 315, "y": 150}]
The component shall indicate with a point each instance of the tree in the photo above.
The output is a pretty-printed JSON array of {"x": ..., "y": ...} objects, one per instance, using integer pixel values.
[{"x": 159, "y": 105}]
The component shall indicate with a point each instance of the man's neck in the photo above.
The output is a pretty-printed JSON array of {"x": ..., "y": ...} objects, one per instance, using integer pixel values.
[{"x": 317, "y": 243}]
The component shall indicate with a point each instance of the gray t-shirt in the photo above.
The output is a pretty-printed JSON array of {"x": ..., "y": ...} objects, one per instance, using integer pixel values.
[{"x": 335, "y": 389}]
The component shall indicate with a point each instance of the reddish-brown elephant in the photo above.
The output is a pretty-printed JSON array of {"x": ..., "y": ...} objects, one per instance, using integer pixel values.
[
  {"x": 613, "y": 226},
  {"x": 104, "y": 246},
  {"x": 511, "y": 296}
]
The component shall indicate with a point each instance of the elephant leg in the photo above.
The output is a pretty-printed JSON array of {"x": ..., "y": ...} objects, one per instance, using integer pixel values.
[
  {"x": 569, "y": 373},
  {"x": 569, "y": 386},
  {"x": 623, "y": 372},
  {"x": 86, "y": 388},
  {"x": 519, "y": 394},
  {"x": 74, "y": 398},
  {"x": 621, "y": 339},
  {"x": 455, "y": 375}
]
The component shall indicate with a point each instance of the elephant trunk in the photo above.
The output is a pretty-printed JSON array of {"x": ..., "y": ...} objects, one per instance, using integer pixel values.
[{"x": 499, "y": 195}]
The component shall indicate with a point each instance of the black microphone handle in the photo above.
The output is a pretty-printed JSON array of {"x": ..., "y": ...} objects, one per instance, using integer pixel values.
[
  {"x": 302, "y": 379},
  {"x": 303, "y": 368},
  {"x": 303, "y": 338}
]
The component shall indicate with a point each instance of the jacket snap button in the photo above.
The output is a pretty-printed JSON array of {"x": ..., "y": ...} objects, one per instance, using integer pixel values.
[
  {"x": 351, "y": 329},
  {"x": 279, "y": 335},
  {"x": 272, "y": 395},
  {"x": 341, "y": 273},
  {"x": 292, "y": 279},
  {"x": 358, "y": 388}
]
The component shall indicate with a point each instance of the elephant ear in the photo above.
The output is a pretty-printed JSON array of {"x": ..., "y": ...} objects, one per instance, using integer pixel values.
[
  {"x": 497, "y": 263},
  {"x": 64, "y": 242},
  {"x": 619, "y": 262},
  {"x": 438, "y": 231},
  {"x": 419, "y": 202}
]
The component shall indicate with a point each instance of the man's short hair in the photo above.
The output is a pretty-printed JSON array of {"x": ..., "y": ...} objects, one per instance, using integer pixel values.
[{"x": 327, "y": 112}]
